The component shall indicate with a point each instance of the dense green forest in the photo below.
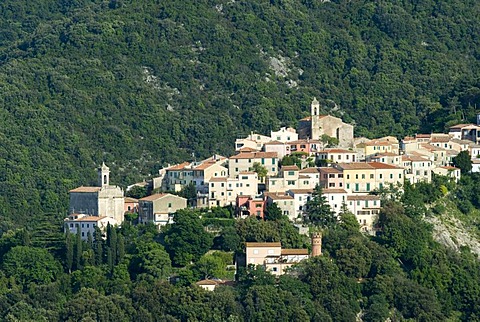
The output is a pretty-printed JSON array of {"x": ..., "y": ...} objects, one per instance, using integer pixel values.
[
  {"x": 138, "y": 84},
  {"x": 139, "y": 274}
]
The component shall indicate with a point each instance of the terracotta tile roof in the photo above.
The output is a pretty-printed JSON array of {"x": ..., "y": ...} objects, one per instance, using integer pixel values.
[
  {"x": 247, "y": 149},
  {"x": 363, "y": 197},
  {"x": 254, "y": 155},
  {"x": 380, "y": 142},
  {"x": 154, "y": 197},
  {"x": 205, "y": 165},
  {"x": 329, "y": 170},
  {"x": 294, "y": 251},
  {"x": 303, "y": 177},
  {"x": 290, "y": 168},
  {"x": 333, "y": 191},
  {"x": 309, "y": 170},
  {"x": 130, "y": 200},
  {"x": 218, "y": 179},
  {"x": 301, "y": 191},
  {"x": 355, "y": 166},
  {"x": 449, "y": 167},
  {"x": 180, "y": 166},
  {"x": 423, "y": 136},
  {"x": 276, "y": 196},
  {"x": 86, "y": 189},
  {"x": 414, "y": 158},
  {"x": 380, "y": 165},
  {"x": 265, "y": 244},
  {"x": 335, "y": 151},
  {"x": 440, "y": 139}
]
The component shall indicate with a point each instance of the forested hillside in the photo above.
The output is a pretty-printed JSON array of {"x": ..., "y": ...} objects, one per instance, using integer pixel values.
[{"x": 140, "y": 83}]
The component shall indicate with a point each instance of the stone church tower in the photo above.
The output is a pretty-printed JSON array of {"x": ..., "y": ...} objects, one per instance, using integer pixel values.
[
  {"x": 316, "y": 125},
  {"x": 103, "y": 175}
]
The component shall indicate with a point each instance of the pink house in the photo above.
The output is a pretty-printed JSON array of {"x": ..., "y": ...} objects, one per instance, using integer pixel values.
[
  {"x": 131, "y": 205},
  {"x": 308, "y": 146},
  {"x": 331, "y": 178},
  {"x": 248, "y": 206}
]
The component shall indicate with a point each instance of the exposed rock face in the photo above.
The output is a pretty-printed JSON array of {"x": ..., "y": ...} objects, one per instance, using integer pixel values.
[{"x": 454, "y": 235}]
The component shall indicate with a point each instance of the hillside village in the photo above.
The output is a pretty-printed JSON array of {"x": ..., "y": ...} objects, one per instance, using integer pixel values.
[{"x": 284, "y": 169}]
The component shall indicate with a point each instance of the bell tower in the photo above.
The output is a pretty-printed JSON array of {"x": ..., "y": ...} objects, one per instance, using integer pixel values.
[
  {"x": 316, "y": 244},
  {"x": 103, "y": 175},
  {"x": 315, "y": 119}
]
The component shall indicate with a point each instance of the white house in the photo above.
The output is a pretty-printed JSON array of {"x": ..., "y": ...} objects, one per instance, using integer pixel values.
[{"x": 86, "y": 224}]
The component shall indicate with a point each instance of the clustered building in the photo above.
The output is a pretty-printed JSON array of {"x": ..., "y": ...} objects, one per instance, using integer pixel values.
[{"x": 350, "y": 174}]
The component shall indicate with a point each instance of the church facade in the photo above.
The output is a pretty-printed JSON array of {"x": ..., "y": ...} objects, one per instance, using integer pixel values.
[
  {"x": 316, "y": 125},
  {"x": 103, "y": 200}
]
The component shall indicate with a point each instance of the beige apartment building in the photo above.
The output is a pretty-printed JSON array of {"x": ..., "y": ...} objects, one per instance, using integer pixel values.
[
  {"x": 223, "y": 191},
  {"x": 159, "y": 208},
  {"x": 271, "y": 255},
  {"x": 243, "y": 161}
]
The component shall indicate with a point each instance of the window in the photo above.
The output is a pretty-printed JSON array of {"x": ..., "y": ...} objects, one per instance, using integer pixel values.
[
  {"x": 273, "y": 160},
  {"x": 274, "y": 269},
  {"x": 249, "y": 160},
  {"x": 212, "y": 185},
  {"x": 348, "y": 176},
  {"x": 236, "y": 169},
  {"x": 71, "y": 225},
  {"x": 244, "y": 178},
  {"x": 83, "y": 234},
  {"x": 380, "y": 176},
  {"x": 83, "y": 226},
  {"x": 340, "y": 175},
  {"x": 263, "y": 161},
  {"x": 291, "y": 182},
  {"x": 357, "y": 187},
  {"x": 391, "y": 175},
  {"x": 222, "y": 185},
  {"x": 255, "y": 251},
  {"x": 348, "y": 186},
  {"x": 291, "y": 173},
  {"x": 236, "y": 160},
  {"x": 356, "y": 176},
  {"x": 222, "y": 194},
  {"x": 331, "y": 185},
  {"x": 371, "y": 176},
  {"x": 363, "y": 176},
  {"x": 368, "y": 186},
  {"x": 273, "y": 169},
  {"x": 331, "y": 175},
  {"x": 400, "y": 176},
  {"x": 88, "y": 225},
  {"x": 299, "y": 198},
  {"x": 258, "y": 205}
]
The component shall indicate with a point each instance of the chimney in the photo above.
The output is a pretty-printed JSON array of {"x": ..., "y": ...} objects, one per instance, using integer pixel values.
[{"x": 316, "y": 244}]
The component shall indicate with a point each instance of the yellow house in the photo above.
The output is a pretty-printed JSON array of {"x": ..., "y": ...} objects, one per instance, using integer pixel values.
[
  {"x": 380, "y": 146},
  {"x": 362, "y": 177}
]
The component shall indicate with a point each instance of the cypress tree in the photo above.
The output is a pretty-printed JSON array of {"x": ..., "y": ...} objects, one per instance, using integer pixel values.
[
  {"x": 78, "y": 249},
  {"x": 69, "y": 252}
]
